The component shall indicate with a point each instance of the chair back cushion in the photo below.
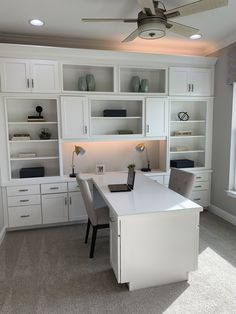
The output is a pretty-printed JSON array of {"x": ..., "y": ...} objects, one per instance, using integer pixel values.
[
  {"x": 88, "y": 200},
  {"x": 181, "y": 181}
]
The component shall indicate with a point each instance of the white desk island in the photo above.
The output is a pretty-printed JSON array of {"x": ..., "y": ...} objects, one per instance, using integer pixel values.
[{"x": 154, "y": 232}]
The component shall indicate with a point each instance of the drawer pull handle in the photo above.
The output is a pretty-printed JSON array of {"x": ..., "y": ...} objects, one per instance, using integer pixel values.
[
  {"x": 198, "y": 186},
  {"x": 70, "y": 200},
  {"x": 198, "y": 177},
  {"x": 24, "y": 201},
  {"x": 111, "y": 220},
  {"x": 23, "y": 190},
  {"x": 197, "y": 199},
  {"x": 24, "y": 216},
  {"x": 54, "y": 188}
]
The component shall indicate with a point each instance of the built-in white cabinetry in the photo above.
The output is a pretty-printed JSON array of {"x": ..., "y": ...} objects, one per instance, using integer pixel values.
[
  {"x": 31, "y": 150},
  {"x": 24, "y": 206},
  {"x": 54, "y": 208},
  {"x": 115, "y": 244},
  {"x": 45, "y": 203},
  {"x": 106, "y": 124},
  {"x": 191, "y": 139},
  {"x": 75, "y": 117},
  {"x": 190, "y": 81},
  {"x": 77, "y": 210},
  {"x": 156, "y": 117},
  {"x": 19, "y": 75}
]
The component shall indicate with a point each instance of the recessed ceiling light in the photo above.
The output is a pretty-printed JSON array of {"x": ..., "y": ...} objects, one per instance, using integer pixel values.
[
  {"x": 196, "y": 36},
  {"x": 36, "y": 22}
]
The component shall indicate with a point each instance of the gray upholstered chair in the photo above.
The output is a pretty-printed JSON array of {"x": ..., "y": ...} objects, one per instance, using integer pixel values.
[
  {"x": 97, "y": 217},
  {"x": 181, "y": 181}
]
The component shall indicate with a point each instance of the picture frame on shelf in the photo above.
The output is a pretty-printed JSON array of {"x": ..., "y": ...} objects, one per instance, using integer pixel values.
[{"x": 100, "y": 169}]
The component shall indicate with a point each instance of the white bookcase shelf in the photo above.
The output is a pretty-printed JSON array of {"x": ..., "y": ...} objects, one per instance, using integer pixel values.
[
  {"x": 103, "y": 75},
  {"x": 46, "y": 151},
  {"x": 132, "y": 123},
  {"x": 194, "y": 145},
  {"x": 155, "y": 77}
]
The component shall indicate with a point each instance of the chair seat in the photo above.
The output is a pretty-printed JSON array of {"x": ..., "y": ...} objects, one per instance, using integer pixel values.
[{"x": 102, "y": 215}]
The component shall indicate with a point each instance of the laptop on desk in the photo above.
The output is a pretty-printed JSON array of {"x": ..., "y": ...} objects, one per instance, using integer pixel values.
[{"x": 128, "y": 187}]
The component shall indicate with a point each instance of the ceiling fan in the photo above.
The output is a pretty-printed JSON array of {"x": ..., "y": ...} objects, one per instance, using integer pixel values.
[{"x": 153, "y": 20}]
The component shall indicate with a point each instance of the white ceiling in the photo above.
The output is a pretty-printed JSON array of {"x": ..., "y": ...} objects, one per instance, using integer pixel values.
[{"x": 64, "y": 27}]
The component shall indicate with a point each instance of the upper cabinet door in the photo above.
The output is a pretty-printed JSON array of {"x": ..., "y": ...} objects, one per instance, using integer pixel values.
[
  {"x": 190, "y": 82},
  {"x": 15, "y": 76},
  {"x": 74, "y": 116},
  {"x": 156, "y": 117},
  {"x": 44, "y": 76},
  {"x": 178, "y": 81},
  {"x": 201, "y": 80}
]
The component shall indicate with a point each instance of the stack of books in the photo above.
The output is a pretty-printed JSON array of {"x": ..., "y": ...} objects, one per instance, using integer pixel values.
[
  {"x": 35, "y": 118},
  {"x": 20, "y": 137}
]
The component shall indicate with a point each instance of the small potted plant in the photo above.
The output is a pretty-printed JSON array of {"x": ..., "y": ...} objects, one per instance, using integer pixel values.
[
  {"x": 131, "y": 167},
  {"x": 45, "y": 134}
]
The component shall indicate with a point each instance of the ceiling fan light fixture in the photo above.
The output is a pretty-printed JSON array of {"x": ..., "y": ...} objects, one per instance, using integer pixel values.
[
  {"x": 196, "y": 36},
  {"x": 152, "y": 31}
]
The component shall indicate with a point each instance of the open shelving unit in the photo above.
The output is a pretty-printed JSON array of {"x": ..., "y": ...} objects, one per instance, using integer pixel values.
[
  {"x": 46, "y": 150},
  {"x": 103, "y": 75},
  {"x": 191, "y": 146},
  {"x": 104, "y": 126},
  {"x": 155, "y": 77}
]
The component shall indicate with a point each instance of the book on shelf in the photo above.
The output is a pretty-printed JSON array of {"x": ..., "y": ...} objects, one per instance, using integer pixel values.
[
  {"x": 27, "y": 155},
  {"x": 36, "y": 119},
  {"x": 20, "y": 137}
]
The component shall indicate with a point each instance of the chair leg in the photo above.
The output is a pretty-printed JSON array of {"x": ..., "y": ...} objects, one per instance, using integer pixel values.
[
  {"x": 87, "y": 232},
  {"x": 94, "y": 236}
]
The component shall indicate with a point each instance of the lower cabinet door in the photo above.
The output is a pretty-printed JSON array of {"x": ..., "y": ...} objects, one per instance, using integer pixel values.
[
  {"x": 200, "y": 197},
  {"x": 20, "y": 216},
  {"x": 55, "y": 208},
  {"x": 77, "y": 209}
]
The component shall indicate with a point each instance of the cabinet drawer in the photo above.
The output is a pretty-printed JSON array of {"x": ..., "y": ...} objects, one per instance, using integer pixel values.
[
  {"x": 158, "y": 179},
  {"x": 73, "y": 187},
  {"x": 24, "y": 216},
  {"x": 200, "y": 185},
  {"x": 200, "y": 197},
  {"x": 201, "y": 177},
  {"x": 53, "y": 188},
  {"x": 23, "y": 190},
  {"x": 23, "y": 200}
]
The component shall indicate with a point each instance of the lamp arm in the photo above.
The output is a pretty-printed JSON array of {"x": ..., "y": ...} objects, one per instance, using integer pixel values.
[{"x": 72, "y": 161}]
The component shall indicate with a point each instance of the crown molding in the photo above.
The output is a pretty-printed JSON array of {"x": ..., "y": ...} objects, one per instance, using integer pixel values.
[
  {"x": 222, "y": 44},
  {"x": 41, "y": 46}
]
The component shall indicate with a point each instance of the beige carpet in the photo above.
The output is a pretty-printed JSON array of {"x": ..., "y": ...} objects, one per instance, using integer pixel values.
[{"x": 48, "y": 271}]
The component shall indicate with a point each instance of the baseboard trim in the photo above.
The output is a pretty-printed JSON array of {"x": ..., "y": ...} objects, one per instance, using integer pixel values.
[
  {"x": 2, "y": 234},
  {"x": 222, "y": 213}
]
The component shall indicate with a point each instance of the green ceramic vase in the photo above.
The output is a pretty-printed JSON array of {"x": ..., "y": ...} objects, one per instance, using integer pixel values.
[
  {"x": 82, "y": 84},
  {"x": 144, "y": 87},
  {"x": 90, "y": 82},
  {"x": 135, "y": 84}
]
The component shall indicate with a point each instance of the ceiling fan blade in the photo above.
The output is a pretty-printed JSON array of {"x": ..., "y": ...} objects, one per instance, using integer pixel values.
[
  {"x": 183, "y": 30},
  {"x": 131, "y": 37},
  {"x": 198, "y": 6},
  {"x": 147, "y": 7},
  {"x": 109, "y": 20}
]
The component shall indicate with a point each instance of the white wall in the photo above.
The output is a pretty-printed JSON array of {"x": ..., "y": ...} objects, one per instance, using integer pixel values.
[
  {"x": 115, "y": 155},
  {"x": 222, "y": 118}
]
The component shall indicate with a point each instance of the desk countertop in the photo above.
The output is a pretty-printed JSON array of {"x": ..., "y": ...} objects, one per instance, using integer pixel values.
[{"x": 148, "y": 196}]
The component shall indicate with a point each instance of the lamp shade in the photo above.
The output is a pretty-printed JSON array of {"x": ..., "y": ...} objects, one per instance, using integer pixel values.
[
  {"x": 140, "y": 147},
  {"x": 79, "y": 150}
]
